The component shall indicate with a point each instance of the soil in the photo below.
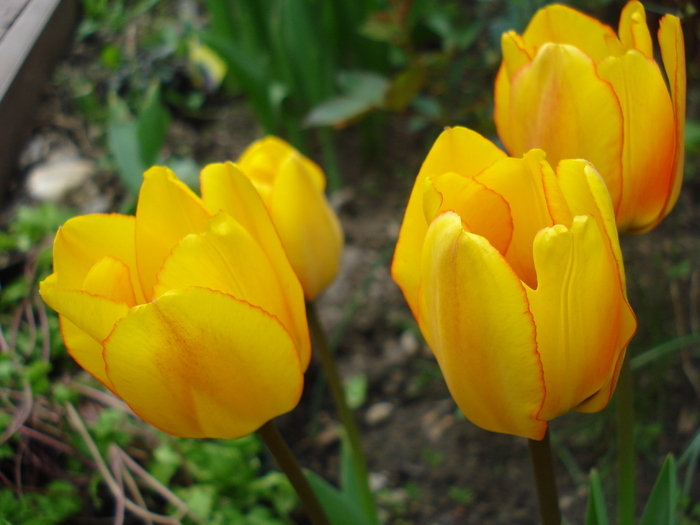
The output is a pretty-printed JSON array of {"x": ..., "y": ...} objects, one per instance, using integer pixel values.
[{"x": 431, "y": 465}]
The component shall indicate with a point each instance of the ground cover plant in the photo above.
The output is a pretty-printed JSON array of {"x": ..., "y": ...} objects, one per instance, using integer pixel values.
[{"x": 136, "y": 90}]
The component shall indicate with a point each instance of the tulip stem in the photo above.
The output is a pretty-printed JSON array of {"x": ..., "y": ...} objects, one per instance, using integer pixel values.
[
  {"x": 541, "y": 454},
  {"x": 625, "y": 445},
  {"x": 323, "y": 350},
  {"x": 287, "y": 462}
]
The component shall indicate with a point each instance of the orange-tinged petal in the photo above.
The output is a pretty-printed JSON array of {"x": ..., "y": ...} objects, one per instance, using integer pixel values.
[
  {"x": 85, "y": 350},
  {"x": 563, "y": 25},
  {"x": 559, "y": 104},
  {"x": 633, "y": 29},
  {"x": 207, "y": 365},
  {"x": 586, "y": 194},
  {"x": 483, "y": 211},
  {"x": 226, "y": 188},
  {"x": 111, "y": 278},
  {"x": 515, "y": 53},
  {"x": 519, "y": 182},
  {"x": 650, "y": 139},
  {"x": 167, "y": 211},
  {"x": 83, "y": 241},
  {"x": 227, "y": 258},
  {"x": 477, "y": 322},
  {"x": 576, "y": 308},
  {"x": 457, "y": 150},
  {"x": 93, "y": 314},
  {"x": 673, "y": 55},
  {"x": 308, "y": 228}
]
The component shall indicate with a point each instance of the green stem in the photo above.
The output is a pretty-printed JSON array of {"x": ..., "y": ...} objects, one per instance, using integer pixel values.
[
  {"x": 541, "y": 454},
  {"x": 352, "y": 432},
  {"x": 330, "y": 160},
  {"x": 625, "y": 445},
  {"x": 287, "y": 462}
]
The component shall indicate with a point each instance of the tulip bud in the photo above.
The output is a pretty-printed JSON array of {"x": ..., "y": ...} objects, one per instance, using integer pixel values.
[
  {"x": 292, "y": 187},
  {"x": 514, "y": 274},
  {"x": 572, "y": 87}
]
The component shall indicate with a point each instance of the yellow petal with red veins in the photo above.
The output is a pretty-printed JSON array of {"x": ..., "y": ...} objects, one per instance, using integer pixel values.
[
  {"x": 167, "y": 211},
  {"x": 650, "y": 139},
  {"x": 207, "y": 365},
  {"x": 308, "y": 228},
  {"x": 477, "y": 322},
  {"x": 83, "y": 241},
  {"x": 519, "y": 182},
  {"x": 458, "y": 150},
  {"x": 577, "y": 306},
  {"x": 673, "y": 55},
  {"x": 562, "y": 84},
  {"x": 483, "y": 211},
  {"x": 562, "y": 25},
  {"x": 633, "y": 29},
  {"x": 228, "y": 259},
  {"x": 85, "y": 350}
]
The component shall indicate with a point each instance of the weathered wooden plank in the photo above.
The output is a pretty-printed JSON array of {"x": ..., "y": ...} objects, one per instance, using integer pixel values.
[{"x": 29, "y": 47}]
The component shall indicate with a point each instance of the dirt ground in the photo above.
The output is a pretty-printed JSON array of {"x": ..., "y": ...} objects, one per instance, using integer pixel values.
[{"x": 432, "y": 465}]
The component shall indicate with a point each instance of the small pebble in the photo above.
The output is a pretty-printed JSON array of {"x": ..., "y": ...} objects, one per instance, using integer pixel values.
[{"x": 378, "y": 413}]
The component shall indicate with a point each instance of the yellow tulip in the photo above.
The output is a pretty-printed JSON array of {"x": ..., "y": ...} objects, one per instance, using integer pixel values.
[
  {"x": 292, "y": 186},
  {"x": 515, "y": 277},
  {"x": 572, "y": 87},
  {"x": 189, "y": 311}
]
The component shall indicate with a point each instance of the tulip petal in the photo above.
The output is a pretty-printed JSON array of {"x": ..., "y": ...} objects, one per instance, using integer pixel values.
[
  {"x": 167, "y": 211},
  {"x": 226, "y": 188},
  {"x": 562, "y": 25},
  {"x": 478, "y": 324},
  {"x": 229, "y": 260},
  {"x": 650, "y": 139},
  {"x": 199, "y": 363},
  {"x": 551, "y": 104},
  {"x": 673, "y": 55},
  {"x": 457, "y": 150},
  {"x": 111, "y": 278},
  {"x": 305, "y": 222},
  {"x": 83, "y": 241},
  {"x": 263, "y": 158},
  {"x": 93, "y": 314},
  {"x": 515, "y": 55},
  {"x": 633, "y": 29},
  {"x": 85, "y": 350},
  {"x": 578, "y": 304},
  {"x": 519, "y": 182},
  {"x": 483, "y": 211}
]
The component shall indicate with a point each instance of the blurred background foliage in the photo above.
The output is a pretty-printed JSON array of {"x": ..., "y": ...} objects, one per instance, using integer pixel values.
[{"x": 306, "y": 69}]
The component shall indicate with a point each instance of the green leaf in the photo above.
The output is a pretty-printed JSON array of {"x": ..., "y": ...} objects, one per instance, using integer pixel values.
[
  {"x": 661, "y": 508},
  {"x": 338, "y": 112},
  {"x": 153, "y": 124},
  {"x": 341, "y": 510},
  {"x": 596, "y": 513},
  {"x": 123, "y": 143}
]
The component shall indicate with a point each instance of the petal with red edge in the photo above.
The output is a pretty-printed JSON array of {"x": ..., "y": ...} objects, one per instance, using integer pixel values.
[
  {"x": 207, "y": 365},
  {"x": 562, "y": 25},
  {"x": 559, "y": 104},
  {"x": 476, "y": 320},
  {"x": 576, "y": 306},
  {"x": 650, "y": 139},
  {"x": 111, "y": 278},
  {"x": 83, "y": 241},
  {"x": 457, "y": 150},
  {"x": 85, "y": 350},
  {"x": 633, "y": 29},
  {"x": 167, "y": 211}
]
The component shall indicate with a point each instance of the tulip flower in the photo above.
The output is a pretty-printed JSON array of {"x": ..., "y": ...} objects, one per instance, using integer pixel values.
[
  {"x": 515, "y": 277},
  {"x": 572, "y": 87},
  {"x": 291, "y": 186},
  {"x": 189, "y": 311}
]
